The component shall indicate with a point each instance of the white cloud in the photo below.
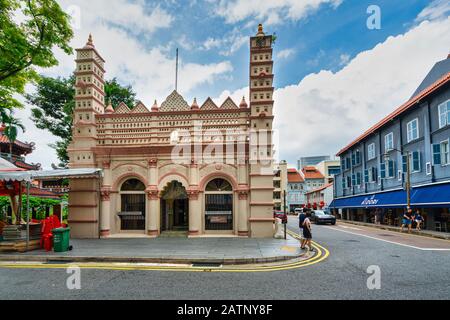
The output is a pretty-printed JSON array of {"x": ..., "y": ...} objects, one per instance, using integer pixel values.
[
  {"x": 229, "y": 44},
  {"x": 327, "y": 110},
  {"x": 285, "y": 53},
  {"x": 436, "y": 10},
  {"x": 268, "y": 11},
  {"x": 344, "y": 59}
]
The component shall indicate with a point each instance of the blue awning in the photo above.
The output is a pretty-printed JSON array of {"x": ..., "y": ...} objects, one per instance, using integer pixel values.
[
  {"x": 437, "y": 195},
  {"x": 431, "y": 196}
]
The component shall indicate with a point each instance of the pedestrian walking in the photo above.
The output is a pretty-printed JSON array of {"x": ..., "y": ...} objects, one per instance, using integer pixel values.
[
  {"x": 307, "y": 233},
  {"x": 419, "y": 220},
  {"x": 407, "y": 220},
  {"x": 301, "y": 219}
]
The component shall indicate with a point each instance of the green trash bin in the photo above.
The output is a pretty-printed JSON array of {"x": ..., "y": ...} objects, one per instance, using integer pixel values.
[{"x": 61, "y": 238}]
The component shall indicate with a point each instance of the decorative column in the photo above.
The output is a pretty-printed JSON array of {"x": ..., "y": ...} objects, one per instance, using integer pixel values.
[
  {"x": 243, "y": 213},
  {"x": 105, "y": 191},
  {"x": 105, "y": 220},
  {"x": 152, "y": 208},
  {"x": 195, "y": 212},
  {"x": 195, "y": 209}
]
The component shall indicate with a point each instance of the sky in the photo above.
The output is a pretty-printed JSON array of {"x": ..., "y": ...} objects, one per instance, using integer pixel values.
[{"x": 334, "y": 77}]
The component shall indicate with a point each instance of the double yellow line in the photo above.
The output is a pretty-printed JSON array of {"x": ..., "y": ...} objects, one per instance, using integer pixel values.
[{"x": 321, "y": 254}]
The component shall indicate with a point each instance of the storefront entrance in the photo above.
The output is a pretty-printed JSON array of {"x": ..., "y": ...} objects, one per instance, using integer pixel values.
[{"x": 174, "y": 208}]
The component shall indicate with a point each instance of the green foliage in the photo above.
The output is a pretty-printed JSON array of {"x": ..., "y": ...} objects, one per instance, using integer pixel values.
[
  {"x": 115, "y": 94},
  {"x": 54, "y": 103},
  {"x": 12, "y": 126},
  {"x": 29, "y": 31},
  {"x": 39, "y": 204}
]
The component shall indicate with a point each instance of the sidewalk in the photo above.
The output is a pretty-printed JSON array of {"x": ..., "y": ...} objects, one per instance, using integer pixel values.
[
  {"x": 169, "y": 250},
  {"x": 425, "y": 233}
]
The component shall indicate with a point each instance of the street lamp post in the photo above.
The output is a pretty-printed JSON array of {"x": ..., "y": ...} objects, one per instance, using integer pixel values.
[{"x": 408, "y": 174}]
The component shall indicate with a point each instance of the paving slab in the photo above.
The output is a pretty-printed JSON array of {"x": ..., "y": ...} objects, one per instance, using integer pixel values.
[{"x": 169, "y": 250}]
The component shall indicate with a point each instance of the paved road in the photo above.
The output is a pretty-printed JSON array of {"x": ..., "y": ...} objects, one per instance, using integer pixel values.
[{"x": 406, "y": 273}]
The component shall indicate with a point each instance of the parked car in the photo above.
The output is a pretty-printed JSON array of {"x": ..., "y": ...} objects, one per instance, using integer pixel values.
[
  {"x": 322, "y": 217},
  {"x": 280, "y": 215},
  {"x": 297, "y": 211}
]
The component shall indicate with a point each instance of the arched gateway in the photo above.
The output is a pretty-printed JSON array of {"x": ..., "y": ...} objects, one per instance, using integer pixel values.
[{"x": 174, "y": 207}]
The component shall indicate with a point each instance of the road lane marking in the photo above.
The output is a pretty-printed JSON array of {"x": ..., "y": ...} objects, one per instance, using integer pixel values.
[
  {"x": 352, "y": 228},
  {"x": 321, "y": 254},
  {"x": 392, "y": 242}
]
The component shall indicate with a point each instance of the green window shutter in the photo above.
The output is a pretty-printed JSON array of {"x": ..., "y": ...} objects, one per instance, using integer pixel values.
[
  {"x": 391, "y": 168},
  {"x": 404, "y": 163},
  {"x": 436, "y": 154},
  {"x": 358, "y": 178},
  {"x": 383, "y": 170},
  {"x": 366, "y": 176},
  {"x": 353, "y": 159}
]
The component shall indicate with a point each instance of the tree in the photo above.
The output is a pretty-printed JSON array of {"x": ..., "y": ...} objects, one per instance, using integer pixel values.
[
  {"x": 54, "y": 103},
  {"x": 29, "y": 31},
  {"x": 12, "y": 126}
]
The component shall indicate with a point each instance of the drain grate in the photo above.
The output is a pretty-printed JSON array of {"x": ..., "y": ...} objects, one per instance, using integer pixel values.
[
  {"x": 58, "y": 261},
  {"x": 352, "y": 241},
  {"x": 385, "y": 235},
  {"x": 206, "y": 265}
]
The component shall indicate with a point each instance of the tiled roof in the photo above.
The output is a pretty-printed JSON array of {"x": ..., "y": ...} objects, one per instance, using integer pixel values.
[
  {"x": 174, "y": 102},
  {"x": 312, "y": 173},
  {"x": 37, "y": 192},
  {"x": 406, "y": 106},
  {"x": 5, "y": 140},
  {"x": 294, "y": 176}
]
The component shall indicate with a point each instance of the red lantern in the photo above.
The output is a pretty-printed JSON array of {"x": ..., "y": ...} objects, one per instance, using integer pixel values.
[
  {"x": 315, "y": 205},
  {"x": 322, "y": 204}
]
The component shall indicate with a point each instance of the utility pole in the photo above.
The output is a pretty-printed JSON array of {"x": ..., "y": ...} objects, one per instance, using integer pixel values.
[
  {"x": 408, "y": 180},
  {"x": 285, "y": 214}
]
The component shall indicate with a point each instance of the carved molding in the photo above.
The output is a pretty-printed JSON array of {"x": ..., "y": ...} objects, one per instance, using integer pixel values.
[{"x": 105, "y": 193}]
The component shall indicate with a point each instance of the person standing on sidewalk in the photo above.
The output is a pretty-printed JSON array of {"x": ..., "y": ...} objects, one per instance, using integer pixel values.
[
  {"x": 407, "y": 220},
  {"x": 419, "y": 220},
  {"x": 307, "y": 234},
  {"x": 301, "y": 219}
]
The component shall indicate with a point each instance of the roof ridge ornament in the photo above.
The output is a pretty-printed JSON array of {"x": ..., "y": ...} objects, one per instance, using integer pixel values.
[
  {"x": 260, "y": 31},
  {"x": 90, "y": 42}
]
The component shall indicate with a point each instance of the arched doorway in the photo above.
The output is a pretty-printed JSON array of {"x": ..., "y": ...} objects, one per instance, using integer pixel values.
[
  {"x": 174, "y": 208},
  {"x": 132, "y": 196},
  {"x": 218, "y": 205}
]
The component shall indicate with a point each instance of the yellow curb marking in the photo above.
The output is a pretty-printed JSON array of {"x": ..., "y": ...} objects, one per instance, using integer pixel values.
[{"x": 321, "y": 254}]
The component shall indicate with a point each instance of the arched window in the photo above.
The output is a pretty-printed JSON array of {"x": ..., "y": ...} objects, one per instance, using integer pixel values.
[
  {"x": 218, "y": 205},
  {"x": 132, "y": 195},
  {"x": 218, "y": 185},
  {"x": 132, "y": 185}
]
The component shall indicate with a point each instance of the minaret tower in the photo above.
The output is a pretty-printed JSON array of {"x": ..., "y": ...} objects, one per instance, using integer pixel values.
[
  {"x": 89, "y": 102},
  {"x": 261, "y": 146}
]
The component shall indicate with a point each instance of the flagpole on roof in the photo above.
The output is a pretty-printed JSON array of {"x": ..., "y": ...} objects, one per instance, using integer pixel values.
[{"x": 176, "y": 73}]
